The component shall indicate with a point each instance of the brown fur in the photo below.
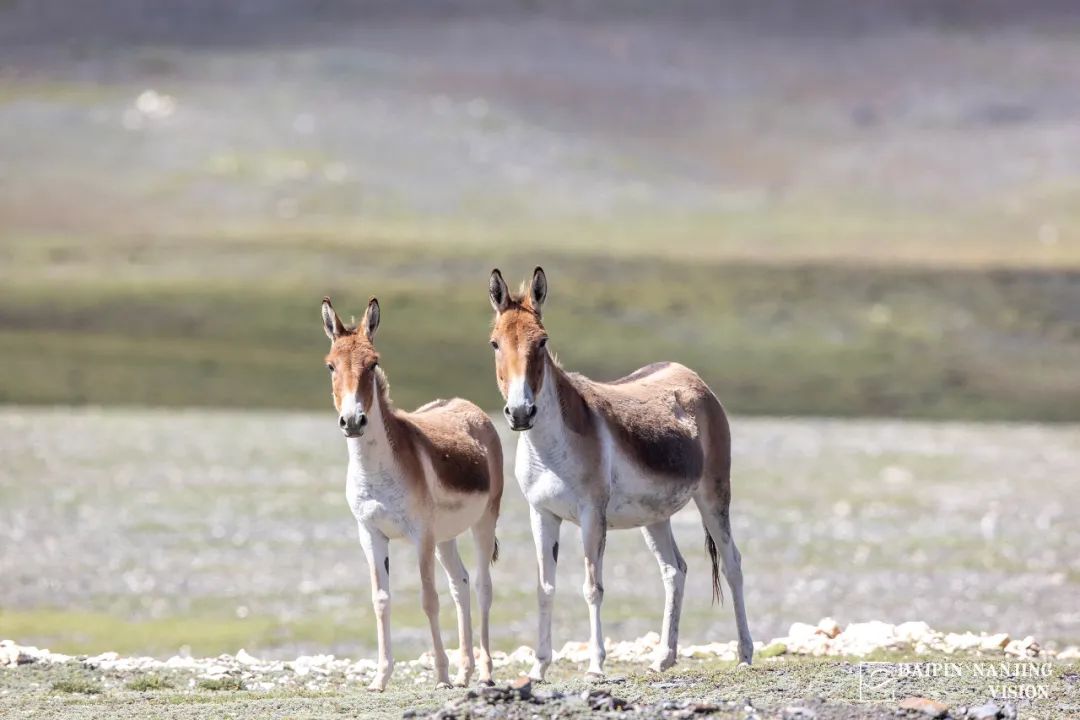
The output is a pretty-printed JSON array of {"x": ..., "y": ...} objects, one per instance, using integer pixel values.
[
  {"x": 451, "y": 433},
  {"x": 650, "y": 412},
  {"x": 519, "y": 334},
  {"x": 653, "y": 416},
  {"x": 455, "y": 434},
  {"x": 663, "y": 419}
]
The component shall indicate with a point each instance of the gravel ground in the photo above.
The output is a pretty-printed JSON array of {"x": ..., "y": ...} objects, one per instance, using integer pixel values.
[
  {"x": 982, "y": 681},
  {"x": 151, "y": 531}
]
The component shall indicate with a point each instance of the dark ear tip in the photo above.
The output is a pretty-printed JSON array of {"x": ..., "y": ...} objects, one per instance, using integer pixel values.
[
  {"x": 538, "y": 270},
  {"x": 326, "y": 300},
  {"x": 373, "y": 301},
  {"x": 496, "y": 272}
]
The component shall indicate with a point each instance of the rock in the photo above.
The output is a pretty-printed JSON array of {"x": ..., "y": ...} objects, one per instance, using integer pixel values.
[
  {"x": 926, "y": 706},
  {"x": 523, "y": 654},
  {"x": 988, "y": 711},
  {"x": 802, "y": 630},
  {"x": 99, "y": 660},
  {"x": 702, "y": 708},
  {"x": 796, "y": 712},
  {"x": 574, "y": 652},
  {"x": 1070, "y": 653},
  {"x": 1027, "y": 647},
  {"x": 522, "y": 688},
  {"x": 806, "y": 639},
  {"x": 244, "y": 658},
  {"x": 994, "y": 642},
  {"x": 961, "y": 641},
  {"x": 602, "y": 700},
  {"x": 861, "y": 639},
  {"x": 914, "y": 632},
  {"x": 11, "y": 655},
  {"x": 828, "y": 627},
  {"x": 216, "y": 671}
]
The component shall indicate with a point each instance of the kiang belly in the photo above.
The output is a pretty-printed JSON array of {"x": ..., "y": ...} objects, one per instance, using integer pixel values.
[
  {"x": 638, "y": 499},
  {"x": 454, "y": 513}
]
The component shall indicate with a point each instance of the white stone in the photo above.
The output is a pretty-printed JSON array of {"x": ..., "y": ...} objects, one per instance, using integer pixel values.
[
  {"x": 914, "y": 632},
  {"x": 523, "y": 654},
  {"x": 244, "y": 658},
  {"x": 829, "y": 627}
]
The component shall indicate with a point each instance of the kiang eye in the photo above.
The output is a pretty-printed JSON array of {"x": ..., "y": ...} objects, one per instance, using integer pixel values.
[
  {"x": 495, "y": 344},
  {"x": 543, "y": 343},
  {"x": 330, "y": 367}
]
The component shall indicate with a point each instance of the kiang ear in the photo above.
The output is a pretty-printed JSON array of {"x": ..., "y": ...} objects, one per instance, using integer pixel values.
[
  {"x": 538, "y": 291},
  {"x": 331, "y": 323},
  {"x": 497, "y": 291},
  {"x": 370, "y": 323}
]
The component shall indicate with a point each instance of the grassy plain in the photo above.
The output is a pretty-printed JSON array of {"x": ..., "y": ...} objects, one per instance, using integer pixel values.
[{"x": 234, "y": 322}]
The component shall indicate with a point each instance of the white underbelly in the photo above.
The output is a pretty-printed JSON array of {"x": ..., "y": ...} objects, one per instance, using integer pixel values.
[
  {"x": 638, "y": 500},
  {"x": 455, "y": 513},
  {"x": 637, "y": 497}
]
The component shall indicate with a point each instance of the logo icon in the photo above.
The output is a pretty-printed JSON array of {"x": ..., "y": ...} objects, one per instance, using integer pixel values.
[{"x": 877, "y": 682}]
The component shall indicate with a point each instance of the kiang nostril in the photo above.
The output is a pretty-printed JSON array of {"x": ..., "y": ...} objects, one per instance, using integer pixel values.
[
  {"x": 363, "y": 420},
  {"x": 532, "y": 411},
  {"x": 506, "y": 410},
  {"x": 341, "y": 421}
]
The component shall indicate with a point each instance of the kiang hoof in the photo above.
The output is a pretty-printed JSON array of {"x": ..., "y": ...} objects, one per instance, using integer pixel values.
[
  {"x": 442, "y": 685},
  {"x": 375, "y": 688},
  {"x": 486, "y": 683},
  {"x": 659, "y": 666},
  {"x": 593, "y": 676}
]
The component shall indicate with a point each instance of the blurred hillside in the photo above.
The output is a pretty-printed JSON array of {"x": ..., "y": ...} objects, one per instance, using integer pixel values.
[{"x": 850, "y": 208}]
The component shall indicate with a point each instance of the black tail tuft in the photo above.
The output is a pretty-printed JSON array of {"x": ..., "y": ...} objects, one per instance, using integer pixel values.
[
  {"x": 495, "y": 553},
  {"x": 710, "y": 547}
]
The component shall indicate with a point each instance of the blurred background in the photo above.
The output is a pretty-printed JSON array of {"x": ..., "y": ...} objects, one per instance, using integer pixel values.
[{"x": 862, "y": 210}]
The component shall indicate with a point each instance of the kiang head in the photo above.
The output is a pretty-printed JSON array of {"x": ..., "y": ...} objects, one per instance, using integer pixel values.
[
  {"x": 353, "y": 364},
  {"x": 520, "y": 344}
]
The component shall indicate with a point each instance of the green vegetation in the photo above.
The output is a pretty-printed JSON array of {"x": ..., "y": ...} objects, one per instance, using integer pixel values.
[
  {"x": 77, "y": 685},
  {"x": 770, "y": 685},
  {"x": 150, "y": 683},
  {"x": 228, "y": 684},
  {"x": 148, "y": 322},
  {"x": 89, "y": 632}
]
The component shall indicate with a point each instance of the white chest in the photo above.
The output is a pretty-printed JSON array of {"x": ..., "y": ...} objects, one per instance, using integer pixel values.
[
  {"x": 378, "y": 499},
  {"x": 552, "y": 478}
]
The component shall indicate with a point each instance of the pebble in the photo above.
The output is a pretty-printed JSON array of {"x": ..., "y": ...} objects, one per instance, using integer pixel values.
[
  {"x": 989, "y": 711},
  {"x": 926, "y": 706},
  {"x": 826, "y": 638}
]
